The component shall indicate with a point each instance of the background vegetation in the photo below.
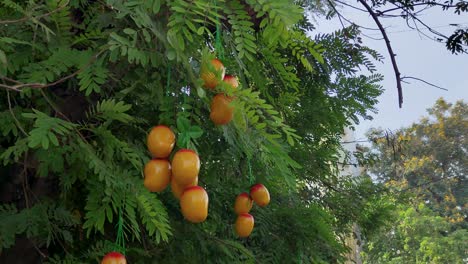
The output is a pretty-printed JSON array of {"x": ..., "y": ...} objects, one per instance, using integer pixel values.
[{"x": 425, "y": 167}]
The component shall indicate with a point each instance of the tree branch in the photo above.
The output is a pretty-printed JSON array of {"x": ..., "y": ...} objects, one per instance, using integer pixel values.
[
  {"x": 421, "y": 80},
  {"x": 19, "y": 85},
  {"x": 379, "y": 13},
  {"x": 337, "y": 13},
  {"x": 37, "y": 18},
  {"x": 348, "y": 5},
  {"x": 18, "y": 124},
  {"x": 390, "y": 51}
]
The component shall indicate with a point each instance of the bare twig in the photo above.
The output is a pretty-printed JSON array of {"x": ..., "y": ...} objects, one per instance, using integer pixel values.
[
  {"x": 10, "y": 80},
  {"x": 18, "y": 124},
  {"x": 390, "y": 51},
  {"x": 337, "y": 13},
  {"x": 414, "y": 5},
  {"x": 25, "y": 184},
  {"x": 24, "y": 181},
  {"x": 367, "y": 36},
  {"x": 56, "y": 109},
  {"x": 38, "y": 250},
  {"x": 413, "y": 15},
  {"x": 348, "y": 5},
  {"x": 355, "y": 141},
  {"x": 36, "y": 18},
  {"x": 421, "y": 80},
  {"x": 347, "y": 164},
  {"x": 341, "y": 17}
]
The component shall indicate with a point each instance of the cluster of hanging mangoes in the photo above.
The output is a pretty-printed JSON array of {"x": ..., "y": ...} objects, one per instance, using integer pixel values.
[
  {"x": 244, "y": 202},
  {"x": 181, "y": 173},
  {"x": 221, "y": 112}
]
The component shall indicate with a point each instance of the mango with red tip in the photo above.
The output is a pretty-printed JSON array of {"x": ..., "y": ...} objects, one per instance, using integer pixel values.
[
  {"x": 243, "y": 203},
  {"x": 221, "y": 112},
  {"x": 260, "y": 195},
  {"x": 194, "y": 204},
  {"x": 210, "y": 77},
  {"x": 114, "y": 258},
  {"x": 232, "y": 81},
  {"x": 244, "y": 225},
  {"x": 178, "y": 189}
]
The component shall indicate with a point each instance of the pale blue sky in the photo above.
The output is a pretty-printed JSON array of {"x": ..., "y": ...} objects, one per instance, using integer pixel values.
[{"x": 416, "y": 56}]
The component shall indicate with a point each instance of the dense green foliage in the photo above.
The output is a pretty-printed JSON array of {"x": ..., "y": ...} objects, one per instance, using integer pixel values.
[
  {"x": 418, "y": 236},
  {"x": 425, "y": 168},
  {"x": 84, "y": 81}
]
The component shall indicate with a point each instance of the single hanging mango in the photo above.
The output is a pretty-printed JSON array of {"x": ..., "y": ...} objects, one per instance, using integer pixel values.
[
  {"x": 221, "y": 112},
  {"x": 260, "y": 195},
  {"x": 244, "y": 225},
  {"x": 160, "y": 141},
  {"x": 194, "y": 204},
  {"x": 243, "y": 203},
  {"x": 185, "y": 166},
  {"x": 157, "y": 175},
  {"x": 232, "y": 81},
  {"x": 114, "y": 258},
  {"x": 212, "y": 78}
]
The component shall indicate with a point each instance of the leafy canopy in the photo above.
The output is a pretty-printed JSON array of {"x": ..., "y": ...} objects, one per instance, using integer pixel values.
[{"x": 84, "y": 82}]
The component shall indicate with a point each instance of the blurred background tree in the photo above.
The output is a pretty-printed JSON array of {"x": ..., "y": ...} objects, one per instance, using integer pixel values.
[{"x": 424, "y": 166}]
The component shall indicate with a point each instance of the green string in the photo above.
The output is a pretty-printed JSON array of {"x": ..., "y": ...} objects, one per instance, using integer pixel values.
[
  {"x": 186, "y": 94},
  {"x": 168, "y": 82},
  {"x": 218, "y": 43},
  {"x": 120, "y": 241},
  {"x": 251, "y": 178}
]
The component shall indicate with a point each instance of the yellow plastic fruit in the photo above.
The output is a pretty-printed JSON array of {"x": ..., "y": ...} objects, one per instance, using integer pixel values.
[
  {"x": 114, "y": 258},
  {"x": 260, "y": 195},
  {"x": 244, "y": 225},
  {"x": 194, "y": 204},
  {"x": 178, "y": 189},
  {"x": 157, "y": 175},
  {"x": 221, "y": 112},
  {"x": 243, "y": 203},
  {"x": 185, "y": 166},
  {"x": 210, "y": 77},
  {"x": 160, "y": 141}
]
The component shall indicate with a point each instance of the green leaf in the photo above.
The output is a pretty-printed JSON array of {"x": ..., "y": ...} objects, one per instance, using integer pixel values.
[
  {"x": 171, "y": 55},
  {"x": 200, "y": 30},
  {"x": 183, "y": 124},
  {"x": 129, "y": 31},
  {"x": 195, "y": 132},
  {"x": 53, "y": 139},
  {"x": 156, "y": 6},
  {"x": 3, "y": 58}
]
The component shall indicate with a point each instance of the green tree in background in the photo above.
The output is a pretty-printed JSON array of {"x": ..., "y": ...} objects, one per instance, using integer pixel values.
[
  {"x": 425, "y": 167},
  {"x": 418, "y": 236},
  {"x": 84, "y": 81}
]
